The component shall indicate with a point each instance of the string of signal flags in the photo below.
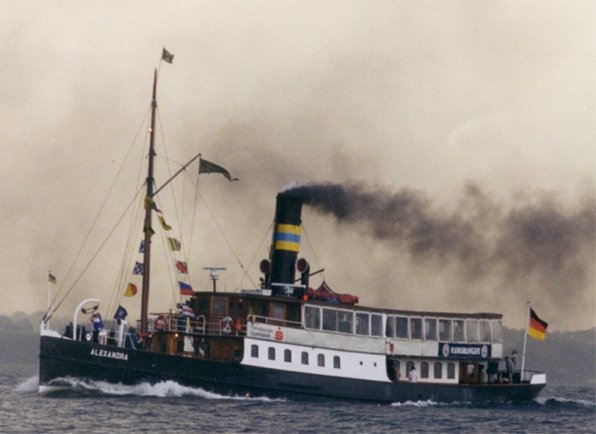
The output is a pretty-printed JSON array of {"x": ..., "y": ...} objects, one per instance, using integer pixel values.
[{"x": 181, "y": 267}]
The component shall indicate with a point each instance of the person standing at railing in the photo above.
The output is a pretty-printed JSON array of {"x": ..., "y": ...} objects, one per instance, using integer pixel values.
[
  {"x": 180, "y": 319},
  {"x": 97, "y": 326},
  {"x": 188, "y": 315},
  {"x": 510, "y": 368}
]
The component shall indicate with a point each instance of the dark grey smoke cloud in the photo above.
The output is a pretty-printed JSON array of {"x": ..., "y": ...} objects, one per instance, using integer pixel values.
[{"x": 537, "y": 239}]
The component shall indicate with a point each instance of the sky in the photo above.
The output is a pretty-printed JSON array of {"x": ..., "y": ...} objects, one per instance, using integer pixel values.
[{"x": 459, "y": 135}]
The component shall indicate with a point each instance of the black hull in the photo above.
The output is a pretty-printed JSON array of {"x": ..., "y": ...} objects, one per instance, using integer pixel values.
[{"x": 61, "y": 358}]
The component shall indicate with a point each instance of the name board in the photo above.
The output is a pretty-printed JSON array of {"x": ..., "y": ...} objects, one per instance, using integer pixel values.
[
  {"x": 465, "y": 351},
  {"x": 261, "y": 331}
]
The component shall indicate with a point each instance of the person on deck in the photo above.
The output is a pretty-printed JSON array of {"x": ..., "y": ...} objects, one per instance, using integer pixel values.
[
  {"x": 413, "y": 375},
  {"x": 482, "y": 375},
  {"x": 97, "y": 326},
  {"x": 509, "y": 368},
  {"x": 513, "y": 358},
  {"x": 493, "y": 372},
  {"x": 180, "y": 319}
]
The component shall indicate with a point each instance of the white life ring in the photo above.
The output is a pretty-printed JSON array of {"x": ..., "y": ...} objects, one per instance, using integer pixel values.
[{"x": 227, "y": 329}]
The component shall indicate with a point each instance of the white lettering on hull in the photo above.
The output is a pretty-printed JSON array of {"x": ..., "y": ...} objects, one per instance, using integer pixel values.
[{"x": 109, "y": 354}]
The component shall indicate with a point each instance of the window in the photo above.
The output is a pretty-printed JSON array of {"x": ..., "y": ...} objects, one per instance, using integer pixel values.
[
  {"x": 390, "y": 327},
  {"x": 277, "y": 310},
  {"x": 219, "y": 306},
  {"x": 401, "y": 327},
  {"x": 497, "y": 331},
  {"x": 345, "y": 321},
  {"x": 288, "y": 356},
  {"x": 438, "y": 370},
  {"x": 424, "y": 370},
  {"x": 312, "y": 317},
  {"x": 336, "y": 362},
  {"x": 304, "y": 358},
  {"x": 484, "y": 330},
  {"x": 321, "y": 360},
  {"x": 416, "y": 328},
  {"x": 362, "y": 325},
  {"x": 254, "y": 351},
  {"x": 430, "y": 329},
  {"x": 329, "y": 319},
  {"x": 271, "y": 353},
  {"x": 472, "y": 330},
  {"x": 451, "y": 370},
  {"x": 458, "y": 330},
  {"x": 444, "y": 330},
  {"x": 376, "y": 324},
  {"x": 409, "y": 366}
]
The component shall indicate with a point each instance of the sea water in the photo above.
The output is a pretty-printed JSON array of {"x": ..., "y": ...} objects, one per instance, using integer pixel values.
[{"x": 96, "y": 407}]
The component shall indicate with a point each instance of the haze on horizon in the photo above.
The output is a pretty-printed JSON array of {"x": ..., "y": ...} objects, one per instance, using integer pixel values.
[{"x": 472, "y": 107}]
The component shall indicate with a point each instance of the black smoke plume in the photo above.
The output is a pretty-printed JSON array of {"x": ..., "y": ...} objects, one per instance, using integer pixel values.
[{"x": 537, "y": 240}]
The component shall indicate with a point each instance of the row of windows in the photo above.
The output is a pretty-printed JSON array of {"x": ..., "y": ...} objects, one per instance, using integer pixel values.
[
  {"x": 404, "y": 327},
  {"x": 425, "y": 369},
  {"x": 442, "y": 329},
  {"x": 343, "y": 321},
  {"x": 304, "y": 356}
]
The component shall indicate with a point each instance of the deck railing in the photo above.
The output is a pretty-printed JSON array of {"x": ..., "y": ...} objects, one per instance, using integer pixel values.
[
  {"x": 274, "y": 321},
  {"x": 197, "y": 326},
  {"x": 125, "y": 336}
]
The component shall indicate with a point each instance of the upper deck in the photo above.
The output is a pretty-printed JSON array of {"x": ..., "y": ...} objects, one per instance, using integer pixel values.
[{"x": 421, "y": 333}]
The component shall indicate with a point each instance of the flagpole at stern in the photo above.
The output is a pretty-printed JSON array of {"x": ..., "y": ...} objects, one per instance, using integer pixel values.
[
  {"x": 523, "y": 366},
  {"x": 47, "y": 321}
]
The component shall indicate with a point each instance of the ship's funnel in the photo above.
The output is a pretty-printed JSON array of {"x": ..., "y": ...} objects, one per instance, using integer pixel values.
[{"x": 286, "y": 242}]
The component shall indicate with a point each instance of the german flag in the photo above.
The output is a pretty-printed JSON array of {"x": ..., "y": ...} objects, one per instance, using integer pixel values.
[{"x": 537, "y": 327}]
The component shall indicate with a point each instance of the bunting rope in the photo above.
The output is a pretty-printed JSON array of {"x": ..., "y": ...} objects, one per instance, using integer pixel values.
[{"x": 123, "y": 275}]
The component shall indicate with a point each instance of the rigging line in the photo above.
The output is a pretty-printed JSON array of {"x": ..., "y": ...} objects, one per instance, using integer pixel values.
[
  {"x": 225, "y": 238},
  {"x": 126, "y": 257},
  {"x": 169, "y": 260},
  {"x": 120, "y": 275},
  {"x": 97, "y": 252},
  {"x": 135, "y": 217},
  {"x": 170, "y": 256},
  {"x": 193, "y": 217},
  {"x": 100, "y": 210},
  {"x": 311, "y": 246},
  {"x": 165, "y": 149},
  {"x": 174, "y": 292},
  {"x": 267, "y": 234}
]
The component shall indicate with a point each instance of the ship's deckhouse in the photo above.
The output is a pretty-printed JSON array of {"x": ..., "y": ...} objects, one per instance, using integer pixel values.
[
  {"x": 416, "y": 334},
  {"x": 373, "y": 344}
]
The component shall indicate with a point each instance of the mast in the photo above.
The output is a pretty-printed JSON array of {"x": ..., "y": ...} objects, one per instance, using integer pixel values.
[{"x": 148, "y": 208}]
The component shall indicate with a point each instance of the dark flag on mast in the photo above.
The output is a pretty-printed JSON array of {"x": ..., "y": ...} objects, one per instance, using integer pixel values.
[
  {"x": 209, "y": 167},
  {"x": 121, "y": 313},
  {"x": 166, "y": 56}
]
